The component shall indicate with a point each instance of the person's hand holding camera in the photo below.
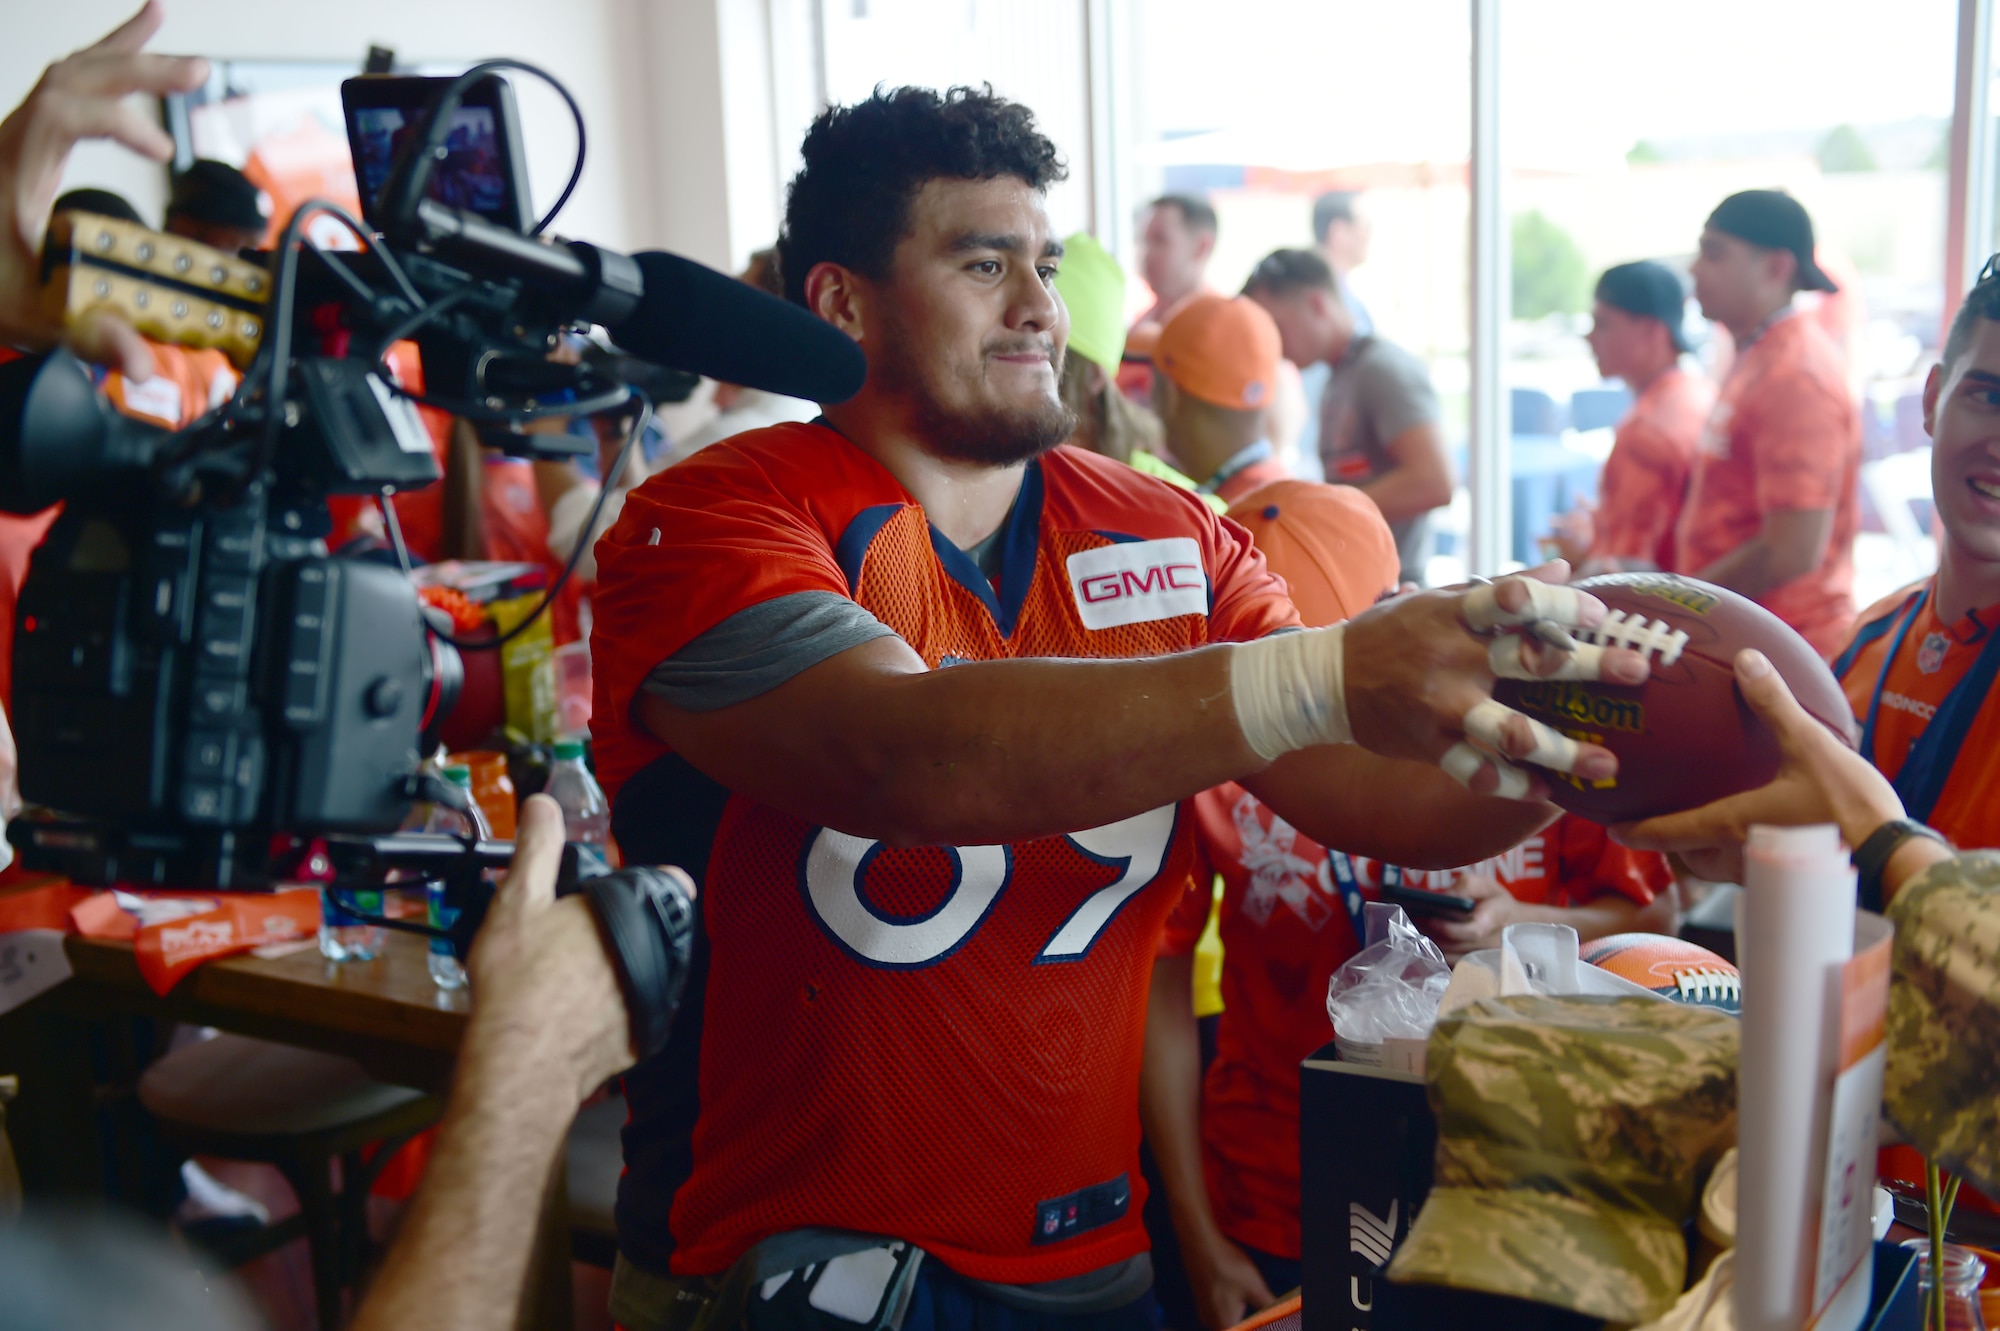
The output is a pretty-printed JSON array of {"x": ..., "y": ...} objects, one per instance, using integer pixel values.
[
  {"x": 82, "y": 96},
  {"x": 548, "y": 1027},
  {"x": 544, "y": 989}
]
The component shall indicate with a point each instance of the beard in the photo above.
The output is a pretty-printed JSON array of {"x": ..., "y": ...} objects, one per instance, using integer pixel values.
[{"x": 989, "y": 436}]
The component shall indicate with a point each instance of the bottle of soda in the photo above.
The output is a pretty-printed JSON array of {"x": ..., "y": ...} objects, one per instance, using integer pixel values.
[
  {"x": 447, "y": 971},
  {"x": 586, "y": 813}
]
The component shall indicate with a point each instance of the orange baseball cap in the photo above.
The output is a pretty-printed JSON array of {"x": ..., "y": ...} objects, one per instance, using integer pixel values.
[
  {"x": 1329, "y": 542},
  {"x": 1223, "y": 350}
]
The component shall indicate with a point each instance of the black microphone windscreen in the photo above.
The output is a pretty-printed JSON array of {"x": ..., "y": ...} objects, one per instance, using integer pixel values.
[{"x": 694, "y": 318}]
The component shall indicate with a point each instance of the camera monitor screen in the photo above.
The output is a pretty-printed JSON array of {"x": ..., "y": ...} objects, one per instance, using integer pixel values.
[{"x": 480, "y": 171}]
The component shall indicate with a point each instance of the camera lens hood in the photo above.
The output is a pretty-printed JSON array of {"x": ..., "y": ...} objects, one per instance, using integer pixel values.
[{"x": 646, "y": 916}]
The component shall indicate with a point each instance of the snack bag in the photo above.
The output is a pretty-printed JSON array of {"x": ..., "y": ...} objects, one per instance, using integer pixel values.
[{"x": 527, "y": 668}]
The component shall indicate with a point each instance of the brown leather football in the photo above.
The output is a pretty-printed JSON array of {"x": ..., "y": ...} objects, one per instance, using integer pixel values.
[{"x": 1686, "y": 736}]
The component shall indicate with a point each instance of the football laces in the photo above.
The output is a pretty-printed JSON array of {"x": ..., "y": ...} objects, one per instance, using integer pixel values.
[
  {"x": 1650, "y": 638},
  {"x": 1706, "y": 984}
]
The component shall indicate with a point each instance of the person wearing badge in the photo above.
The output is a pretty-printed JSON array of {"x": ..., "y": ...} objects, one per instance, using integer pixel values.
[{"x": 1920, "y": 669}]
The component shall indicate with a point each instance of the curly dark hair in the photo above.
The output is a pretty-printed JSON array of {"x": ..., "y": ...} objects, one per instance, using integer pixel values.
[{"x": 850, "y": 202}]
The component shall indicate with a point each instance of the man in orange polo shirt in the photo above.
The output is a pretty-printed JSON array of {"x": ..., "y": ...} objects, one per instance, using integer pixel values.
[
  {"x": 1771, "y": 507},
  {"x": 1635, "y": 334},
  {"x": 1216, "y": 370}
]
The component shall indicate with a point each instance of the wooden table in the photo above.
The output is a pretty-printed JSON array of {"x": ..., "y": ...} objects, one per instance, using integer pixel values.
[{"x": 386, "y": 1014}]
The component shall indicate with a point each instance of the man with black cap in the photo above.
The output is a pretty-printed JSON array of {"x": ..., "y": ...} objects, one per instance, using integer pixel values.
[
  {"x": 1771, "y": 506},
  {"x": 216, "y": 204},
  {"x": 1636, "y": 336}
]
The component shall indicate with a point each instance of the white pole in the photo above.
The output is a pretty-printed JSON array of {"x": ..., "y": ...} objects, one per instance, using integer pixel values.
[
  {"x": 1968, "y": 235},
  {"x": 1491, "y": 416}
]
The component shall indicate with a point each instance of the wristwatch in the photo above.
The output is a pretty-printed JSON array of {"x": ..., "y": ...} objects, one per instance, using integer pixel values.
[{"x": 1871, "y": 857}]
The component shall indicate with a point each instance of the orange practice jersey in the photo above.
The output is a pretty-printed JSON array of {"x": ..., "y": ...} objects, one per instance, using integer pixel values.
[
  {"x": 1289, "y": 919},
  {"x": 1784, "y": 434},
  {"x": 939, "y": 1044},
  {"x": 1645, "y": 479},
  {"x": 1939, "y": 677}
]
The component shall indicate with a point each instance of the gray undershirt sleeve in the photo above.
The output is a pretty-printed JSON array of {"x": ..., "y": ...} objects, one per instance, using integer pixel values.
[{"x": 758, "y": 648}]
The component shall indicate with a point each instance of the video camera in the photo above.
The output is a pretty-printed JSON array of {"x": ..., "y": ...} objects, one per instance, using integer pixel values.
[{"x": 202, "y": 693}]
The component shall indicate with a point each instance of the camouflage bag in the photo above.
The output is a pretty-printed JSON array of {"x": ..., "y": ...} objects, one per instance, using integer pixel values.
[{"x": 1573, "y": 1137}]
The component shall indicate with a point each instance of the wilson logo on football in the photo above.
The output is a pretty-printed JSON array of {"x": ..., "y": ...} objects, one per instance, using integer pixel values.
[
  {"x": 1138, "y": 581},
  {"x": 1668, "y": 588},
  {"x": 1576, "y": 703}
]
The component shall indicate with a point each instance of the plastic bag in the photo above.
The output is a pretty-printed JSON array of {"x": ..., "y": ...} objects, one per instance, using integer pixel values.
[{"x": 1388, "y": 991}]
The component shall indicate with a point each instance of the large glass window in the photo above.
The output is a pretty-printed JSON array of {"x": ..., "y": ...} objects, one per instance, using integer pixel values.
[
  {"x": 1621, "y": 127},
  {"x": 1029, "y": 50},
  {"x": 1626, "y": 124}
]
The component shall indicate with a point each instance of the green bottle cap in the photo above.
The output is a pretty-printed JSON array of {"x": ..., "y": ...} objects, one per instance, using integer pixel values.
[
  {"x": 459, "y": 775},
  {"x": 567, "y": 749}
]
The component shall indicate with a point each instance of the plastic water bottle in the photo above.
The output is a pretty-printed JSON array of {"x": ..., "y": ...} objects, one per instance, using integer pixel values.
[
  {"x": 344, "y": 937},
  {"x": 586, "y": 813},
  {"x": 447, "y": 971}
]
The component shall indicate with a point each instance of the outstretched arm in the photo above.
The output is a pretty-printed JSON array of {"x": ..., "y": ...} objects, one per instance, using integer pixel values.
[{"x": 872, "y": 743}]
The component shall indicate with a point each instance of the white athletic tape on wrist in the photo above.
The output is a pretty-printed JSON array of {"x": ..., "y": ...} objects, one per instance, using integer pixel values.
[
  {"x": 1546, "y": 600},
  {"x": 1506, "y": 656},
  {"x": 1487, "y": 720},
  {"x": 1462, "y": 762},
  {"x": 1288, "y": 691}
]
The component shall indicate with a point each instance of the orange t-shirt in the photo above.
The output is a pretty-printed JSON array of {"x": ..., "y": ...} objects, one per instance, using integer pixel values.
[
  {"x": 1784, "y": 435},
  {"x": 1645, "y": 479},
  {"x": 1287, "y": 923},
  {"x": 1953, "y": 792}
]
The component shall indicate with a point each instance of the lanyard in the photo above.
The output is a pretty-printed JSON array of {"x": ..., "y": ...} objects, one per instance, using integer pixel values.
[
  {"x": 1921, "y": 779},
  {"x": 1248, "y": 455}
]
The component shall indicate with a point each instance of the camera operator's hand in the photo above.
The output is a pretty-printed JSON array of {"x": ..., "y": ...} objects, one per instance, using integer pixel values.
[
  {"x": 82, "y": 96},
  {"x": 1420, "y": 671},
  {"x": 543, "y": 988},
  {"x": 548, "y": 1027}
]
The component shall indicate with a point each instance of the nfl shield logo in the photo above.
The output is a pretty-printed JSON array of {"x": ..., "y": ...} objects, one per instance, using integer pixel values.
[
  {"x": 1930, "y": 657},
  {"x": 1049, "y": 1223}
]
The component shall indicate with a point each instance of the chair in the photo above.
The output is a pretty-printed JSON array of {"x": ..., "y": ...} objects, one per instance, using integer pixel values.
[
  {"x": 1599, "y": 408},
  {"x": 594, "y": 1158},
  {"x": 1536, "y": 413},
  {"x": 297, "y": 1110}
]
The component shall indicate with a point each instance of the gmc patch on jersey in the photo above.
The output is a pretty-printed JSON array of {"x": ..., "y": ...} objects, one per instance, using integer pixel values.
[{"x": 1138, "y": 581}]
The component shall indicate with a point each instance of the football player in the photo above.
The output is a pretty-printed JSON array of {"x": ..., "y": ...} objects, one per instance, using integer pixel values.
[{"x": 918, "y": 695}]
